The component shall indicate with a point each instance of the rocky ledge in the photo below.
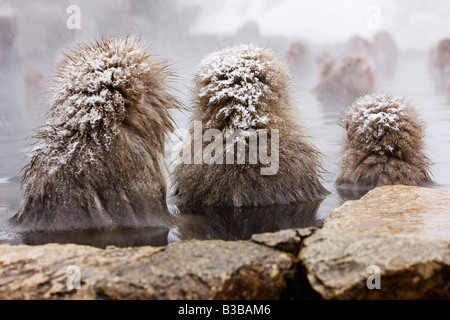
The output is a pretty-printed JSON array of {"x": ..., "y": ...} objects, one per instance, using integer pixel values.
[
  {"x": 395, "y": 240},
  {"x": 394, "y": 243}
]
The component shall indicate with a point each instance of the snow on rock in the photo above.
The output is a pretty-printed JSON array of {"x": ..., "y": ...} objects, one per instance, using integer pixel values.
[{"x": 238, "y": 74}]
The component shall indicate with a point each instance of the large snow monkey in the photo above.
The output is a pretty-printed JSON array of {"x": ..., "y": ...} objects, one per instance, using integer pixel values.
[
  {"x": 98, "y": 161},
  {"x": 243, "y": 95}
]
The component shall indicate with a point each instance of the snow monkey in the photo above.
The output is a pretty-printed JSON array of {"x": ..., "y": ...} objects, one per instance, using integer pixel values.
[
  {"x": 301, "y": 61},
  {"x": 98, "y": 161},
  {"x": 345, "y": 78},
  {"x": 358, "y": 44},
  {"x": 440, "y": 56},
  {"x": 383, "y": 146},
  {"x": 385, "y": 54},
  {"x": 242, "y": 94}
]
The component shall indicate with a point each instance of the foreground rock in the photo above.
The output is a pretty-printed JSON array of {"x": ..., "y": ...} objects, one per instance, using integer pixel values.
[
  {"x": 403, "y": 231},
  {"x": 188, "y": 270}
]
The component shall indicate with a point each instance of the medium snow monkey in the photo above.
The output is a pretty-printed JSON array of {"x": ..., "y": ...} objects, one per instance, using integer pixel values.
[
  {"x": 383, "y": 145},
  {"x": 343, "y": 79},
  {"x": 98, "y": 161},
  {"x": 242, "y": 94}
]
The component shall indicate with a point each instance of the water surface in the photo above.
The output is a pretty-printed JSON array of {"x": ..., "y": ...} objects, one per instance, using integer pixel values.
[{"x": 20, "y": 112}]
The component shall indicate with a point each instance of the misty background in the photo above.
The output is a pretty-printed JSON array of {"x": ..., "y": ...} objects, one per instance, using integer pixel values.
[{"x": 184, "y": 30}]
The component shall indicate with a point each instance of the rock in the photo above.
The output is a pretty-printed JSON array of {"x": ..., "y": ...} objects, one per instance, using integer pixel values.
[
  {"x": 403, "y": 231},
  {"x": 285, "y": 240},
  {"x": 186, "y": 270}
]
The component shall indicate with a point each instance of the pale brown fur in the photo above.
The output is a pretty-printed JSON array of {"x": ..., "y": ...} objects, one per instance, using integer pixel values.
[
  {"x": 298, "y": 177},
  {"x": 99, "y": 160},
  {"x": 384, "y": 53},
  {"x": 345, "y": 78},
  {"x": 301, "y": 60},
  {"x": 440, "y": 56},
  {"x": 378, "y": 154}
]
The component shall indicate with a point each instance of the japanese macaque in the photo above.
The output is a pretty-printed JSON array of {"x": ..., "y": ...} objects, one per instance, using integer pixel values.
[
  {"x": 98, "y": 161},
  {"x": 358, "y": 45},
  {"x": 384, "y": 53},
  {"x": 343, "y": 79},
  {"x": 301, "y": 60},
  {"x": 243, "y": 95},
  {"x": 321, "y": 57},
  {"x": 383, "y": 146},
  {"x": 440, "y": 56}
]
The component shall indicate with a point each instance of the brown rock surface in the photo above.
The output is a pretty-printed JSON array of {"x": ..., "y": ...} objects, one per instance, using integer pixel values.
[
  {"x": 187, "y": 270},
  {"x": 402, "y": 230},
  {"x": 405, "y": 231}
]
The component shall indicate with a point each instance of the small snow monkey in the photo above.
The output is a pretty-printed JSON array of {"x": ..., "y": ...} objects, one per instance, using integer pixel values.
[
  {"x": 385, "y": 54},
  {"x": 301, "y": 61},
  {"x": 98, "y": 161},
  {"x": 241, "y": 93},
  {"x": 383, "y": 146}
]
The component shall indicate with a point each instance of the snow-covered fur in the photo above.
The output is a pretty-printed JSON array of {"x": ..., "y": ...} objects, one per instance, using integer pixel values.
[
  {"x": 345, "y": 78},
  {"x": 246, "y": 87},
  {"x": 98, "y": 161},
  {"x": 384, "y": 145}
]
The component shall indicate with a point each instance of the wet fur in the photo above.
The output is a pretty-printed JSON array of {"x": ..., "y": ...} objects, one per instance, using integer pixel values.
[
  {"x": 298, "y": 178},
  {"x": 207, "y": 223},
  {"x": 115, "y": 175},
  {"x": 367, "y": 162}
]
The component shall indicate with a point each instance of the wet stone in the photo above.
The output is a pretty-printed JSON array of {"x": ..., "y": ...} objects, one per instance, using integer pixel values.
[
  {"x": 394, "y": 243},
  {"x": 185, "y": 270}
]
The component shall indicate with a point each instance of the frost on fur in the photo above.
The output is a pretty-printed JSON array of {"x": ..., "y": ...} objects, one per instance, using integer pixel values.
[
  {"x": 98, "y": 158},
  {"x": 377, "y": 115},
  {"x": 88, "y": 99},
  {"x": 235, "y": 85},
  {"x": 235, "y": 74},
  {"x": 243, "y": 90},
  {"x": 384, "y": 144}
]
